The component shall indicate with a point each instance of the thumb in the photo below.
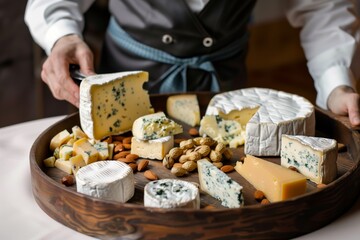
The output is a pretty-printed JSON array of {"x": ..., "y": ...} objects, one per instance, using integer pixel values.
[{"x": 353, "y": 111}]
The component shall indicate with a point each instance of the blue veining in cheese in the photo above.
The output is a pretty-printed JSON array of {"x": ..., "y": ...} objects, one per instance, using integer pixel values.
[
  {"x": 110, "y": 103},
  {"x": 314, "y": 157},
  {"x": 219, "y": 185}
]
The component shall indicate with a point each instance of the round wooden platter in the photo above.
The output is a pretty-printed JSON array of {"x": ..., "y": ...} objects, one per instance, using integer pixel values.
[{"x": 280, "y": 220}]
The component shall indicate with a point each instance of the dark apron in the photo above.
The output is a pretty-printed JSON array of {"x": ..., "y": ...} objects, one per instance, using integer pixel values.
[{"x": 175, "y": 29}]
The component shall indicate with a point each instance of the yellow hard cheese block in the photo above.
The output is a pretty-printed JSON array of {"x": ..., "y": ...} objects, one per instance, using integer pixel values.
[
  {"x": 185, "y": 108},
  {"x": 84, "y": 148},
  {"x": 278, "y": 183},
  {"x": 110, "y": 103}
]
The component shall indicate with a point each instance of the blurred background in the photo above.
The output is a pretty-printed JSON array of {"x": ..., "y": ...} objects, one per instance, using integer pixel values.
[{"x": 275, "y": 59}]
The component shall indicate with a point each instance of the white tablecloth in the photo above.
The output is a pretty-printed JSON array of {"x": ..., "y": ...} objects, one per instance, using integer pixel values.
[{"x": 21, "y": 218}]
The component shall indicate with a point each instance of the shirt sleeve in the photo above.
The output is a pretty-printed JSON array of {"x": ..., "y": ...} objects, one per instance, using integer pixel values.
[
  {"x": 49, "y": 20},
  {"x": 329, "y": 37}
]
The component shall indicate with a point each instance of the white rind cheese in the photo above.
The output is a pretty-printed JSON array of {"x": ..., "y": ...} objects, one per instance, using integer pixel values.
[
  {"x": 155, "y": 126},
  {"x": 314, "y": 157},
  {"x": 219, "y": 185},
  {"x": 267, "y": 114},
  {"x": 185, "y": 108},
  {"x": 152, "y": 149},
  {"x": 110, "y": 103},
  {"x": 171, "y": 193},
  {"x": 109, "y": 180}
]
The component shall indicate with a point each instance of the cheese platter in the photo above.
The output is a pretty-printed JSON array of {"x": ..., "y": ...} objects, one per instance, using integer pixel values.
[{"x": 102, "y": 218}]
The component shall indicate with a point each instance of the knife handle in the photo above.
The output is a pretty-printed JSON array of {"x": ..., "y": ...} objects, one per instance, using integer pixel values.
[{"x": 75, "y": 73}]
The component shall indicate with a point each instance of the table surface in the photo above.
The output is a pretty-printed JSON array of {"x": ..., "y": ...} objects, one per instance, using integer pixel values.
[{"x": 22, "y": 218}]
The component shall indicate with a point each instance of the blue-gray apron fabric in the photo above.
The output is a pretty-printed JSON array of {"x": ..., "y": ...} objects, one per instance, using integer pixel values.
[{"x": 134, "y": 41}]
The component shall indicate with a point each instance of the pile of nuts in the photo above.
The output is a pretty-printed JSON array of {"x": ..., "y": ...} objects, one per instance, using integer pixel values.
[{"x": 182, "y": 160}]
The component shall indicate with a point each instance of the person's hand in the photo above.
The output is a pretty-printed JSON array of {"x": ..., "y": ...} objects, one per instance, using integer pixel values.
[
  {"x": 70, "y": 49},
  {"x": 344, "y": 100}
]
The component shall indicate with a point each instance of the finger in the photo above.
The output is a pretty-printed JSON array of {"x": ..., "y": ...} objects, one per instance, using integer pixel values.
[
  {"x": 86, "y": 61},
  {"x": 60, "y": 83},
  {"x": 353, "y": 111}
]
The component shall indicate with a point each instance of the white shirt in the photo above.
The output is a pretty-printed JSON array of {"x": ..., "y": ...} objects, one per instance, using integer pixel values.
[{"x": 329, "y": 35}]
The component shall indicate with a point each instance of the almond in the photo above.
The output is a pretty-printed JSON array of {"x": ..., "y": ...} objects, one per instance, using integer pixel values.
[
  {"x": 68, "y": 180},
  {"x": 193, "y": 132},
  {"x": 119, "y": 147},
  {"x": 150, "y": 175},
  {"x": 227, "y": 168},
  {"x": 127, "y": 140},
  {"x": 142, "y": 165},
  {"x": 126, "y": 160},
  {"x": 293, "y": 168},
  {"x": 133, "y": 166},
  {"x": 127, "y": 145},
  {"x": 122, "y": 154},
  {"x": 259, "y": 195},
  {"x": 132, "y": 157}
]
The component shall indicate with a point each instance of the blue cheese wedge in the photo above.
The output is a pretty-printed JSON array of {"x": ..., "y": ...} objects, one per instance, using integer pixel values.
[
  {"x": 185, "y": 108},
  {"x": 314, "y": 157},
  {"x": 152, "y": 149},
  {"x": 229, "y": 132},
  {"x": 109, "y": 180},
  {"x": 171, "y": 193},
  {"x": 265, "y": 114},
  {"x": 219, "y": 185},
  {"x": 110, "y": 103},
  {"x": 155, "y": 126}
]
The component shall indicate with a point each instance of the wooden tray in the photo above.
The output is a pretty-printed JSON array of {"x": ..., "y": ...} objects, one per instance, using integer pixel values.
[{"x": 281, "y": 220}]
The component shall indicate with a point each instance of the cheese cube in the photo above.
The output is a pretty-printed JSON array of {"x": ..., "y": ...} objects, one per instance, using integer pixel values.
[
  {"x": 103, "y": 149},
  {"x": 278, "y": 183},
  {"x": 49, "y": 162},
  {"x": 314, "y": 157},
  {"x": 219, "y": 185},
  {"x": 78, "y": 132},
  {"x": 59, "y": 139},
  {"x": 63, "y": 165},
  {"x": 110, "y": 103},
  {"x": 86, "y": 150},
  {"x": 152, "y": 149},
  {"x": 184, "y": 108},
  {"x": 229, "y": 132},
  {"x": 155, "y": 126},
  {"x": 77, "y": 162},
  {"x": 65, "y": 151}
]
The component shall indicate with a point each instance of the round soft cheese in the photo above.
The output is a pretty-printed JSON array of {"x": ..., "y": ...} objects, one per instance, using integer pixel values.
[
  {"x": 171, "y": 193},
  {"x": 110, "y": 180},
  {"x": 267, "y": 114}
]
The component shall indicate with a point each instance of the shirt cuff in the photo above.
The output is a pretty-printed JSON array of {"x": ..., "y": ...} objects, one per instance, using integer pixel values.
[
  {"x": 59, "y": 29},
  {"x": 333, "y": 77}
]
